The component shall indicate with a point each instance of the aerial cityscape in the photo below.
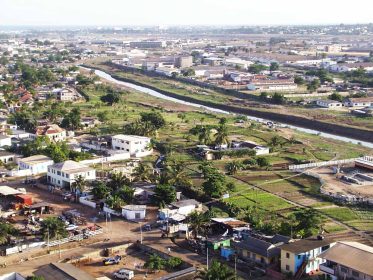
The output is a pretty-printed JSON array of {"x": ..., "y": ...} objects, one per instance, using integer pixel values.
[{"x": 207, "y": 140}]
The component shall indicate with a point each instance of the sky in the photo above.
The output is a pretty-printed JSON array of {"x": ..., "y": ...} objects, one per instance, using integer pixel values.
[{"x": 185, "y": 12}]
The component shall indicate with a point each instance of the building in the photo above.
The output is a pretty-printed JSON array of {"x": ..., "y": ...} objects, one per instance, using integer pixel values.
[
  {"x": 238, "y": 63},
  {"x": 134, "y": 212},
  {"x": 148, "y": 44},
  {"x": 302, "y": 256},
  {"x": 359, "y": 102},
  {"x": 259, "y": 251},
  {"x": 184, "y": 61},
  {"x": 67, "y": 94},
  {"x": 53, "y": 132},
  {"x": 365, "y": 162},
  {"x": 6, "y": 157},
  {"x": 329, "y": 103},
  {"x": 167, "y": 71},
  {"x": 64, "y": 174},
  {"x": 272, "y": 85},
  {"x": 348, "y": 67},
  {"x": 5, "y": 141},
  {"x": 348, "y": 260},
  {"x": 66, "y": 271},
  {"x": 37, "y": 164},
  {"x": 182, "y": 207},
  {"x": 135, "y": 145}
]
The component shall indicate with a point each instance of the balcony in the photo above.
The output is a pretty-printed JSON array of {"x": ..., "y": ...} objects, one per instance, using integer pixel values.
[{"x": 327, "y": 269}]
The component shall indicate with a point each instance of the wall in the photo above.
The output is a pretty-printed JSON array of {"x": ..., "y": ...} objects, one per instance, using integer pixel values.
[
  {"x": 85, "y": 200},
  {"x": 12, "y": 276}
]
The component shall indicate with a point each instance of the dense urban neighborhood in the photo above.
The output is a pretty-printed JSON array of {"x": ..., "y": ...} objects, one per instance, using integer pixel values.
[{"x": 186, "y": 153}]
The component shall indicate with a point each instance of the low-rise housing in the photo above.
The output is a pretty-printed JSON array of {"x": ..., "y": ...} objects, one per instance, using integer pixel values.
[
  {"x": 348, "y": 260},
  {"x": 359, "y": 102},
  {"x": 5, "y": 141},
  {"x": 272, "y": 85},
  {"x": 37, "y": 164},
  {"x": 182, "y": 207},
  {"x": 53, "y": 132},
  {"x": 134, "y": 212},
  {"x": 64, "y": 174},
  {"x": 328, "y": 103},
  {"x": 6, "y": 157}
]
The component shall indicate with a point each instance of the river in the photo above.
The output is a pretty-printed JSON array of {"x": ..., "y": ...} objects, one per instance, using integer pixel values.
[{"x": 154, "y": 93}]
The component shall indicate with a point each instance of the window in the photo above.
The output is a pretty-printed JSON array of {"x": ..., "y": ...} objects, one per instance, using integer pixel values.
[
  {"x": 287, "y": 255},
  {"x": 344, "y": 269},
  {"x": 59, "y": 173},
  {"x": 287, "y": 267},
  {"x": 355, "y": 273}
]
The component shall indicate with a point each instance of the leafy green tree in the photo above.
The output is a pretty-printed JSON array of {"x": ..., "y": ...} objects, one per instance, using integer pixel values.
[
  {"x": 155, "y": 119},
  {"x": 176, "y": 174},
  {"x": 72, "y": 120},
  {"x": 144, "y": 172},
  {"x": 221, "y": 135},
  {"x": 189, "y": 72},
  {"x": 6, "y": 231},
  {"x": 53, "y": 228},
  {"x": 278, "y": 98},
  {"x": 126, "y": 193},
  {"x": 336, "y": 96},
  {"x": 233, "y": 167},
  {"x": 314, "y": 85},
  {"x": 263, "y": 162},
  {"x": 203, "y": 133},
  {"x": 100, "y": 190},
  {"x": 257, "y": 68},
  {"x": 79, "y": 185},
  {"x": 117, "y": 181},
  {"x": 274, "y": 66},
  {"x": 155, "y": 263},
  {"x": 216, "y": 271},
  {"x": 111, "y": 98},
  {"x": 103, "y": 116},
  {"x": 173, "y": 262},
  {"x": 308, "y": 222},
  {"x": 275, "y": 141},
  {"x": 164, "y": 194},
  {"x": 115, "y": 202},
  {"x": 214, "y": 186},
  {"x": 198, "y": 222},
  {"x": 299, "y": 80}
]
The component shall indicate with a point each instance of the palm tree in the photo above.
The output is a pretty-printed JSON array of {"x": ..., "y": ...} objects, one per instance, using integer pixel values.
[
  {"x": 221, "y": 135},
  {"x": 79, "y": 185},
  {"x": 115, "y": 202},
  {"x": 204, "y": 135},
  {"x": 216, "y": 271},
  {"x": 118, "y": 180},
  {"x": 176, "y": 174},
  {"x": 233, "y": 167},
  {"x": 53, "y": 228},
  {"x": 6, "y": 230},
  {"x": 198, "y": 222},
  {"x": 144, "y": 172}
]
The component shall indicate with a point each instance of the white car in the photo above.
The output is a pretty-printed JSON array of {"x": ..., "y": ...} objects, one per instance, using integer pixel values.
[
  {"x": 124, "y": 274},
  {"x": 71, "y": 227}
]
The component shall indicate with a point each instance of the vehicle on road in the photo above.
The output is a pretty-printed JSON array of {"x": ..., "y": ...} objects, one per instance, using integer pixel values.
[
  {"x": 124, "y": 274},
  {"x": 114, "y": 260}
]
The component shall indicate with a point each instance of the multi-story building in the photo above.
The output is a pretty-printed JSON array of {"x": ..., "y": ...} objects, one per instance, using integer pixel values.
[
  {"x": 135, "y": 145},
  {"x": 184, "y": 61},
  {"x": 53, "y": 132},
  {"x": 64, "y": 174},
  {"x": 302, "y": 256},
  {"x": 348, "y": 260}
]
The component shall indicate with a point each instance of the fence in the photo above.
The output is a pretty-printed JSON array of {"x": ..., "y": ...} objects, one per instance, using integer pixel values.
[
  {"x": 85, "y": 200},
  {"x": 77, "y": 237},
  {"x": 322, "y": 163},
  {"x": 116, "y": 157},
  {"x": 23, "y": 247}
]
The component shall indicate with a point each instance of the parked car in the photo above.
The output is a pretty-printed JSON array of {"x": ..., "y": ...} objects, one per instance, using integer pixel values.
[
  {"x": 114, "y": 260},
  {"x": 71, "y": 227},
  {"x": 124, "y": 274}
]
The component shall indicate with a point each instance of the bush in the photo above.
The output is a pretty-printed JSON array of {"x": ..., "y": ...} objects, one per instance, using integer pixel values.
[{"x": 173, "y": 262}]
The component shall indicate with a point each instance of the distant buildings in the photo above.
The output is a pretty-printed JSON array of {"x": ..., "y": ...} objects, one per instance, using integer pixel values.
[
  {"x": 184, "y": 61},
  {"x": 329, "y": 103},
  {"x": 272, "y": 85},
  {"x": 359, "y": 102},
  {"x": 148, "y": 44}
]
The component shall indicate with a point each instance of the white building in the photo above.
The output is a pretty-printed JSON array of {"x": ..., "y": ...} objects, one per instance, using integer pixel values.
[
  {"x": 5, "y": 140},
  {"x": 53, "y": 132},
  {"x": 359, "y": 102},
  {"x": 329, "y": 103},
  {"x": 137, "y": 146},
  {"x": 273, "y": 85},
  {"x": 347, "y": 67},
  {"x": 7, "y": 157},
  {"x": 134, "y": 212},
  {"x": 37, "y": 164},
  {"x": 183, "y": 207},
  {"x": 64, "y": 174}
]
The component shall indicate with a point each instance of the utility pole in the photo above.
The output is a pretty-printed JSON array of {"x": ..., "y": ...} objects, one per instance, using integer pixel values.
[
  {"x": 140, "y": 233},
  {"x": 235, "y": 266},
  {"x": 207, "y": 256}
]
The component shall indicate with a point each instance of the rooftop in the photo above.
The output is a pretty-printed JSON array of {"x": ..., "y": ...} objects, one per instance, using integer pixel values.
[
  {"x": 35, "y": 159},
  {"x": 134, "y": 207},
  {"x": 129, "y": 137},
  {"x": 305, "y": 245},
  {"x": 353, "y": 255},
  {"x": 70, "y": 166},
  {"x": 185, "y": 202},
  {"x": 5, "y": 190}
]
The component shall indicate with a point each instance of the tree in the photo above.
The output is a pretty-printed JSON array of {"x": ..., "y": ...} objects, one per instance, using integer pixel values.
[
  {"x": 6, "y": 231},
  {"x": 233, "y": 167},
  {"x": 190, "y": 72},
  {"x": 155, "y": 262},
  {"x": 72, "y": 120},
  {"x": 154, "y": 118},
  {"x": 173, "y": 262},
  {"x": 203, "y": 133},
  {"x": 117, "y": 181},
  {"x": 336, "y": 96},
  {"x": 126, "y": 193},
  {"x": 299, "y": 80},
  {"x": 176, "y": 174},
  {"x": 214, "y": 186},
  {"x": 144, "y": 172},
  {"x": 164, "y": 194},
  {"x": 278, "y": 98},
  {"x": 314, "y": 85},
  {"x": 221, "y": 135},
  {"x": 275, "y": 141},
  {"x": 216, "y": 271},
  {"x": 53, "y": 228},
  {"x": 263, "y": 162},
  {"x": 274, "y": 66},
  {"x": 308, "y": 222},
  {"x": 111, "y": 98},
  {"x": 103, "y": 116},
  {"x": 115, "y": 202},
  {"x": 100, "y": 190},
  {"x": 198, "y": 222},
  {"x": 79, "y": 185},
  {"x": 257, "y": 68}
]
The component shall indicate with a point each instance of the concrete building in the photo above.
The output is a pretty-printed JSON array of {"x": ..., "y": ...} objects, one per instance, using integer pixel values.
[
  {"x": 183, "y": 207},
  {"x": 302, "y": 256},
  {"x": 135, "y": 145},
  {"x": 53, "y": 132},
  {"x": 5, "y": 141},
  {"x": 328, "y": 103},
  {"x": 359, "y": 102},
  {"x": 37, "y": 164},
  {"x": 184, "y": 61},
  {"x": 64, "y": 174},
  {"x": 67, "y": 94},
  {"x": 273, "y": 85},
  {"x": 348, "y": 260},
  {"x": 6, "y": 157},
  {"x": 148, "y": 44},
  {"x": 134, "y": 212}
]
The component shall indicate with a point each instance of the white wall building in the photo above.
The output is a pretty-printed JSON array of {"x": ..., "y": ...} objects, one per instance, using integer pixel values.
[
  {"x": 64, "y": 174},
  {"x": 37, "y": 164},
  {"x": 134, "y": 212},
  {"x": 135, "y": 145},
  {"x": 329, "y": 103},
  {"x": 5, "y": 140}
]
